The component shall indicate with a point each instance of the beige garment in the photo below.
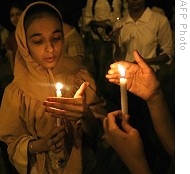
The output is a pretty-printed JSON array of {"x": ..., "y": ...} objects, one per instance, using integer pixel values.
[
  {"x": 22, "y": 115},
  {"x": 73, "y": 46}
]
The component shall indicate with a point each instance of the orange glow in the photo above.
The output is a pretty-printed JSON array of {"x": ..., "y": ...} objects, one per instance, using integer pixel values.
[
  {"x": 121, "y": 70},
  {"x": 59, "y": 86}
]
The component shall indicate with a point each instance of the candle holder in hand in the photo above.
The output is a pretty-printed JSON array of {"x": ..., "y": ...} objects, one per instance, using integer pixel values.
[
  {"x": 59, "y": 86},
  {"x": 58, "y": 161},
  {"x": 123, "y": 90}
]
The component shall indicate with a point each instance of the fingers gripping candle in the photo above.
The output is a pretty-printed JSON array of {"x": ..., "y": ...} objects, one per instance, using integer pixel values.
[
  {"x": 123, "y": 90},
  {"x": 59, "y": 86}
]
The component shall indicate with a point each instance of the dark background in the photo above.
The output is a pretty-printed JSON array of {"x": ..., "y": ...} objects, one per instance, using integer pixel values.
[{"x": 72, "y": 9}]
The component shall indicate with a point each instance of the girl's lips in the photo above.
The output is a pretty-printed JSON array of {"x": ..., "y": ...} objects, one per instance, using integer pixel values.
[{"x": 50, "y": 59}]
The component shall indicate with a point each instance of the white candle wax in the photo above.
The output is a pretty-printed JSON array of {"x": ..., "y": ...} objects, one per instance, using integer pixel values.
[
  {"x": 58, "y": 94},
  {"x": 123, "y": 90}
]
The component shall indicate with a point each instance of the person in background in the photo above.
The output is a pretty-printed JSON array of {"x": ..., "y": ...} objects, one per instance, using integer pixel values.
[
  {"x": 36, "y": 143},
  {"x": 124, "y": 138},
  {"x": 99, "y": 17},
  {"x": 6, "y": 77},
  {"x": 4, "y": 34},
  {"x": 4, "y": 65},
  {"x": 73, "y": 46},
  {"x": 15, "y": 11},
  {"x": 152, "y": 38}
]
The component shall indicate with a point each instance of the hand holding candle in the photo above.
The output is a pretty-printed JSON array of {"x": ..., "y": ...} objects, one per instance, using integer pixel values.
[
  {"x": 59, "y": 86},
  {"x": 123, "y": 91}
]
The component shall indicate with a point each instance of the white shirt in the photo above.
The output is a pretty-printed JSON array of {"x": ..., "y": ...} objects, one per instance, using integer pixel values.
[{"x": 145, "y": 35}]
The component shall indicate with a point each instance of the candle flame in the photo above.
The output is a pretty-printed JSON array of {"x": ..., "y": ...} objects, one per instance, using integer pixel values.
[
  {"x": 121, "y": 70},
  {"x": 59, "y": 86}
]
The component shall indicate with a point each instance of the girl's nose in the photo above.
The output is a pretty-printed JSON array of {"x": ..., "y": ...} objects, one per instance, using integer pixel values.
[{"x": 49, "y": 47}]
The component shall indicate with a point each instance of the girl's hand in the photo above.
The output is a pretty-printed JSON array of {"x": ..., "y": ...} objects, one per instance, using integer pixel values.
[
  {"x": 54, "y": 141},
  {"x": 68, "y": 108}
]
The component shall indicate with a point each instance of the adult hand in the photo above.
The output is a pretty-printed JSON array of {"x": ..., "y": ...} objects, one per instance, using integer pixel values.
[
  {"x": 68, "y": 108},
  {"x": 141, "y": 79},
  {"x": 127, "y": 142}
]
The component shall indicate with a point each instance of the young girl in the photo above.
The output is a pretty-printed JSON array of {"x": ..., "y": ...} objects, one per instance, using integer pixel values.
[{"x": 27, "y": 125}]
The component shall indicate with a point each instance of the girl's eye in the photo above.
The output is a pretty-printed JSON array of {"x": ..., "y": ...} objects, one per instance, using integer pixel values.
[
  {"x": 37, "y": 42},
  {"x": 56, "y": 39}
]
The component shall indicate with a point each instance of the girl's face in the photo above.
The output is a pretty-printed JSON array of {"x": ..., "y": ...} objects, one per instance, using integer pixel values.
[
  {"x": 14, "y": 15},
  {"x": 45, "y": 40}
]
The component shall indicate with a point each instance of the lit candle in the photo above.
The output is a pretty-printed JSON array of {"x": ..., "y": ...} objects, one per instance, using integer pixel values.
[
  {"x": 123, "y": 90},
  {"x": 59, "y": 86}
]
